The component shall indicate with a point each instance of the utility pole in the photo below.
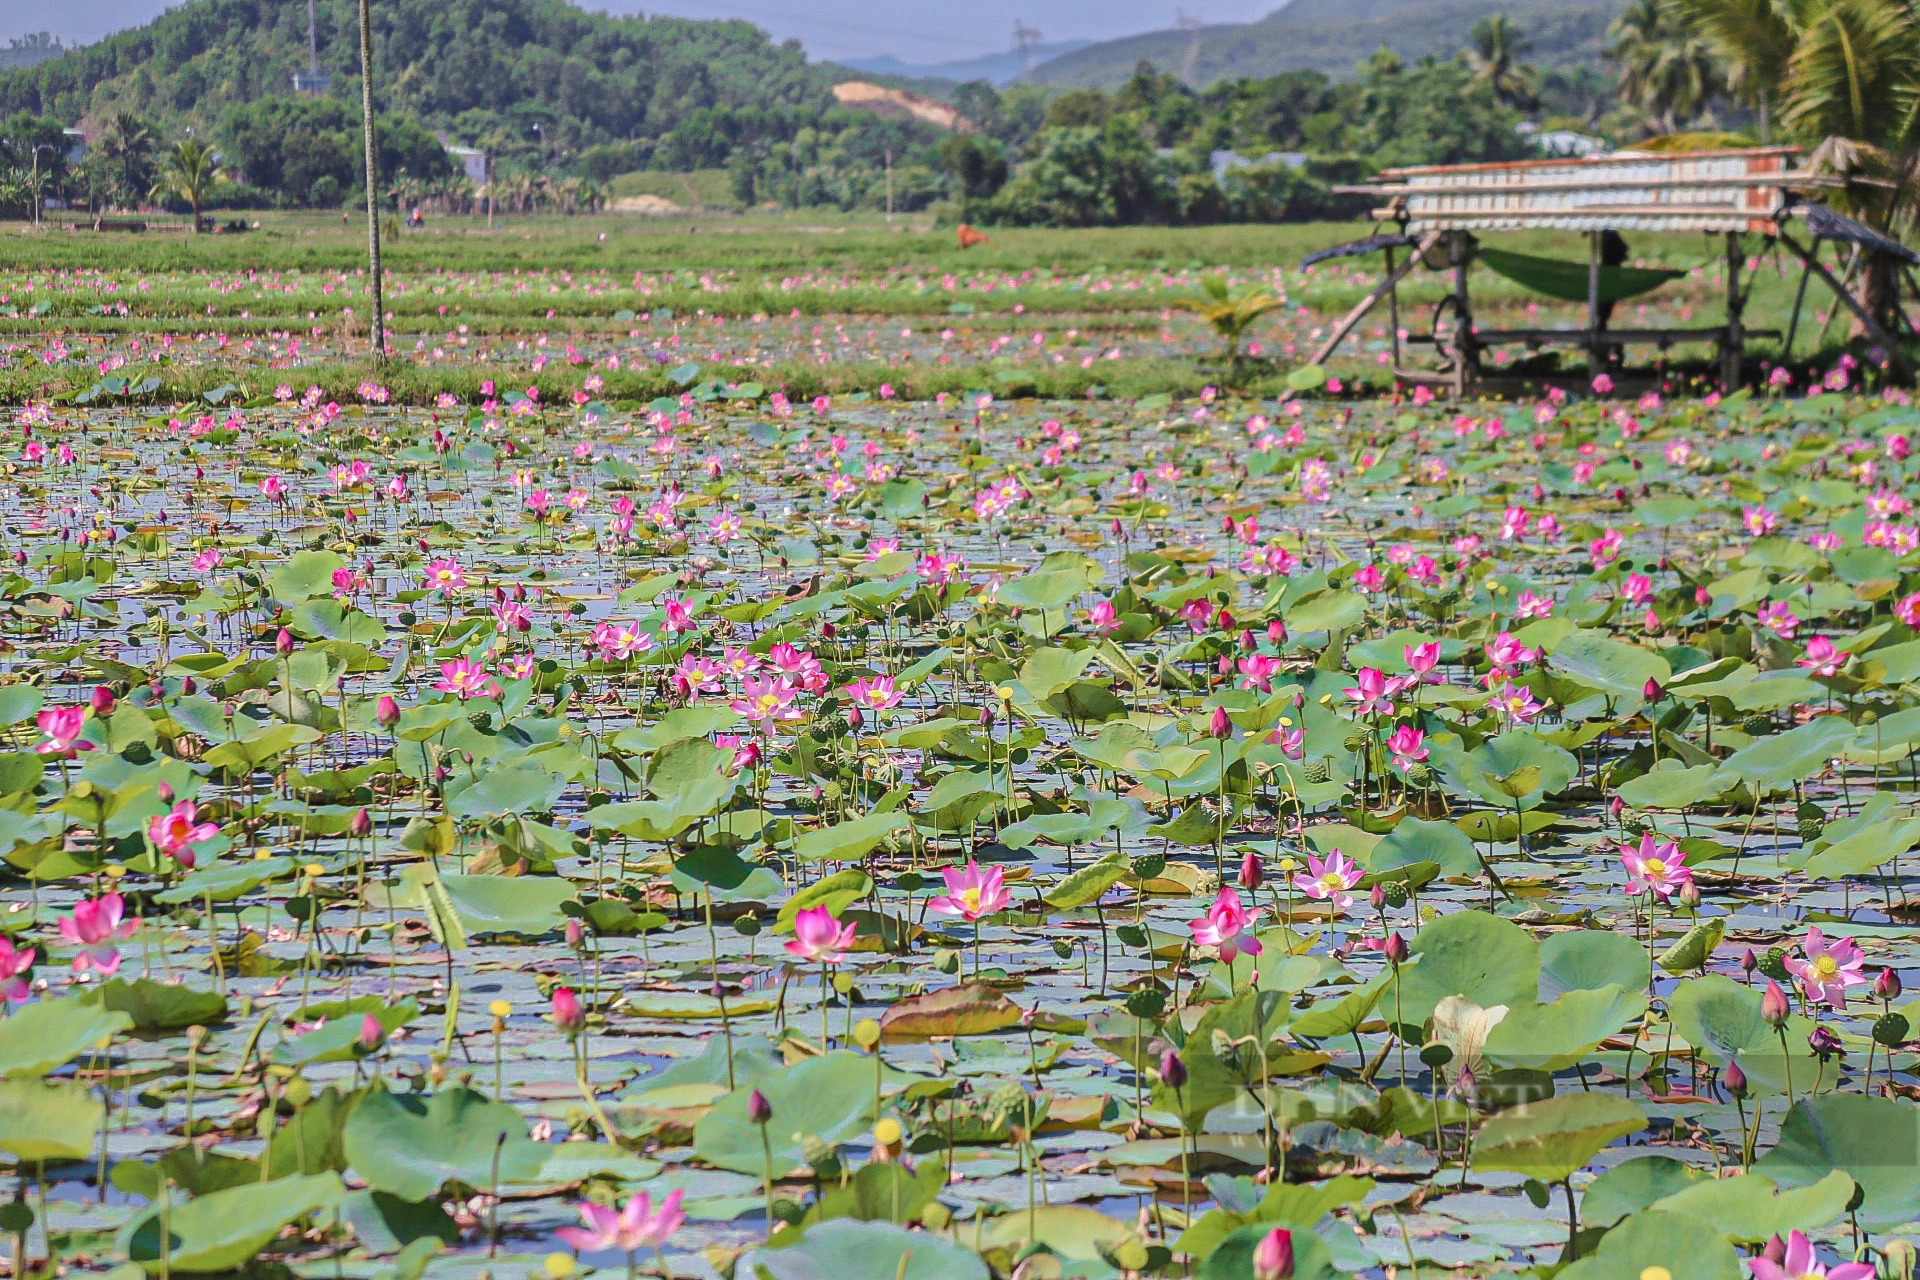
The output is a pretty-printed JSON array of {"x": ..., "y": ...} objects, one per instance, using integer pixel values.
[
  {"x": 377, "y": 330},
  {"x": 1026, "y": 39},
  {"x": 889, "y": 184},
  {"x": 1189, "y": 22}
]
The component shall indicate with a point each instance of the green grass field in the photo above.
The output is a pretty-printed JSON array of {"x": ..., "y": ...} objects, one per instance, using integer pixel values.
[{"x": 790, "y": 300}]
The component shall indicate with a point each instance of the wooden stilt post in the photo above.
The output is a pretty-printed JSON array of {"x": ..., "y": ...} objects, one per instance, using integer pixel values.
[
  {"x": 1393, "y": 314},
  {"x": 1372, "y": 300},
  {"x": 1799, "y": 300},
  {"x": 1596, "y": 356},
  {"x": 1732, "y": 347},
  {"x": 1464, "y": 360},
  {"x": 1897, "y": 361}
]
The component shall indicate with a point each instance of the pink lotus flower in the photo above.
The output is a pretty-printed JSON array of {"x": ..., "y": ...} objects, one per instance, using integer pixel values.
[
  {"x": 633, "y": 1228},
  {"x": 1257, "y": 671},
  {"x": 175, "y": 832},
  {"x": 1530, "y": 605},
  {"x": 1908, "y": 610},
  {"x": 1828, "y": 969},
  {"x": 1373, "y": 692},
  {"x": 765, "y": 699},
  {"x": 678, "y": 617},
  {"x": 1517, "y": 704},
  {"x": 1328, "y": 879},
  {"x": 1797, "y": 1262},
  {"x": 818, "y": 936},
  {"x": 1102, "y": 617},
  {"x": 1368, "y": 579},
  {"x": 62, "y": 727},
  {"x": 14, "y": 964},
  {"x": 445, "y": 576},
  {"x": 1422, "y": 658},
  {"x": 466, "y": 678},
  {"x": 1779, "y": 619},
  {"x": 94, "y": 927},
  {"x": 972, "y": 893},
  {"x": 618, "y": 641},
  {"x": 1406, "y": 747},
  {"x": 874, "y": 694},
  {"x": 1655, "y": 868},
  {"x": 1505, "y": 651},
  {"x": 1292, "y": 742},
  {"x": 1822, "y": 657},
  {"x": 1225, "y": 926}
]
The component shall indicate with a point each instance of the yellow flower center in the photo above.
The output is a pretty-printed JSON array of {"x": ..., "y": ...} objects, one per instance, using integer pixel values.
[
  {"x": 970, "y": 898},
  {"x": 1826, "y": 966},
  {"x": 1656, "y": 867}
]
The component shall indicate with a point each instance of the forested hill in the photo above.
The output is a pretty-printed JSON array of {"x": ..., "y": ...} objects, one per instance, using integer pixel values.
[
  {"x": 1333, "y": 36},
  {"x": 471, "y": 66}
]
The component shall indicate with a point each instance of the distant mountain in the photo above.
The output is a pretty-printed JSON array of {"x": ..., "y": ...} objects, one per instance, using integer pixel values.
[
  {"x": 996, "y": 68},
  {"x": 508, "y": 67},
  {"x": 1331, "y": 36}
]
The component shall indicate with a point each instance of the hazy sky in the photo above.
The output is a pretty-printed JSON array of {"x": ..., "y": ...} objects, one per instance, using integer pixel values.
[{"x": 921, "y": 32}]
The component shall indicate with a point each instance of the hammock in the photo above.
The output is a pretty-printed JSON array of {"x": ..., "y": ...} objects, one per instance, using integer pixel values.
[{"x": 1568, "y": 280}]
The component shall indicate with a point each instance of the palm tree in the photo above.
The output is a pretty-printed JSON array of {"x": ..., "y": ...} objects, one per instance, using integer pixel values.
[
  {"x": 1754, "y": 39},
  {"x": 1845, "y": 78},
  {"x": 189, "y": 172},
  {"x": 1230, "y": 317},
  {"x": 1666, "y": 68},
  {"x": 1495, "y": 57},
  {"x": 129, "y": 146}
]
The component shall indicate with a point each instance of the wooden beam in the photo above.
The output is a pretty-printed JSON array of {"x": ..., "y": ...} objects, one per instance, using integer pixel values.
[
  {"x": 1732, "y": 183},
  {"x": 1372, "y": 300},
  {"x": 1896, "y": 359}
]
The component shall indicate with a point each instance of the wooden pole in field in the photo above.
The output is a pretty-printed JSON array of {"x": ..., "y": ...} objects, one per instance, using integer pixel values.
[{"x": 377, "y": 330}]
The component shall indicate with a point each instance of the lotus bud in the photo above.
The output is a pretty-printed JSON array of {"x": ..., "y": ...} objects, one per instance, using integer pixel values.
[
  {"x": 856, "y": 719},
  {"x": 1277, "y": 631},
  {"x": 1823, "y": 1042},
  {"x": 576, "y": 935},
  {"x": 1736, "y": 1080},
  {"x": 1377, "y": 897},
  {"x": 372, "y": 1034},
  {"x": 1397, "y": 949},
  {"x": 1246, "y": 640},
  {"x": 1173, "y": 1072},
  {"x": 1218, "y": 725},
  {"x": 387, "y": 711},
  {"x": 568, "y": 1014},
  {"x": 1776, "y": 1250},
  {"x": 1702, "y": 597},
  {"x": 1224, "y": 620},
  {"x": 189, "y": 686},
  {"x": 1651, "y": 690},
  {"x": 283, "y": 643},
  {"x": 1886, "y": 987},
  {"x": 165, "y": 792},
  {"x": 759, "y": 1110},
  {"x": 360, "y": 826},
  {"x": 1774, "y": 1007},
  {"x": 1689, "y": 896},
  {"x": 101, "y": 700},
  {"x": 1749, "y": 962},
  {"x": 1273, "y": 1256},
  {"x": 1252, "y": 874}
]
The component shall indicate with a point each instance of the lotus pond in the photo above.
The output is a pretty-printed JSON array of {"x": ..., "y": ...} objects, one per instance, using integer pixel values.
[{"x": 898, "y": 841}]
